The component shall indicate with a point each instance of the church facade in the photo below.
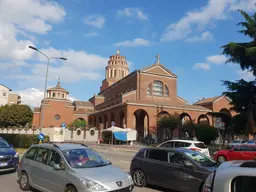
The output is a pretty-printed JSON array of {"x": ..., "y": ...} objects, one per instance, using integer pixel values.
[{"x": 134, "y": 100}]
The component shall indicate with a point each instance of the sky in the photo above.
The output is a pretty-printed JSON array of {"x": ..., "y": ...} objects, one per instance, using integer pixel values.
[{"x": 187, "y": 34}]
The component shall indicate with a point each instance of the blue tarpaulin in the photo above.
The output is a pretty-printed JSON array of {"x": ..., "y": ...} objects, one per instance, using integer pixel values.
[{"x": 120, "y": 135}]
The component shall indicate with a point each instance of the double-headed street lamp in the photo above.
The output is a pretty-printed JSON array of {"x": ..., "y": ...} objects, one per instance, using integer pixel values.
[{"x": 46, "y": 78}]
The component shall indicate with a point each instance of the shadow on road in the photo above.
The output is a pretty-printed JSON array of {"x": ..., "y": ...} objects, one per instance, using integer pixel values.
[{"x": 159, "y": 188}]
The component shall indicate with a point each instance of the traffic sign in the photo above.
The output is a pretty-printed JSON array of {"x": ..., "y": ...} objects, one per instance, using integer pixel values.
[
  {"x": 41, "y": 136},
  {"x": 113, "y": 123},
  {"x": 63, "y": 125},
  {"x": 217, "y": 123}
]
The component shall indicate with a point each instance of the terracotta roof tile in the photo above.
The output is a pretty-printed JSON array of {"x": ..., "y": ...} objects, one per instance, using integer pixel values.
[
  {"x": 171, "y": 104},
  {"x": 158, "y": 64},
  {"x": 83, "y": 103},
  {"x": 206, "y": 100},
  {"x": 37, "y": 109}
]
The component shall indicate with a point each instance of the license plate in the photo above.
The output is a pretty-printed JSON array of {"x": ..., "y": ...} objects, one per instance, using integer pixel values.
[{"x": 3, "y": 164}]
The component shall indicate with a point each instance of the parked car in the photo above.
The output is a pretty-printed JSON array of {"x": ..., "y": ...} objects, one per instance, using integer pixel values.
[
  {"x": 188, "y": 144},
  {"x": 9, "y": 158},
  {"x": 232, "y": 176},
  {"x": 239, "y": 152},
  {"x": 236, "y": 142},
  {"x": 70, "y": 167},
  {"x": 172, "y": 168},
  {"x": 251, "y": 142}
]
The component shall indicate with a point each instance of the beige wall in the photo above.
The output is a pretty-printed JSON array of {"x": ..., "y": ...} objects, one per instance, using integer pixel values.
[{"x": 4, "y": 94}]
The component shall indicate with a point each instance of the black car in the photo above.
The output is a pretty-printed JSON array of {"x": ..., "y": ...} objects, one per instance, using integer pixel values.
[
  {"x": 172, "y": 168},
  {"x": 9, "y": 158}
]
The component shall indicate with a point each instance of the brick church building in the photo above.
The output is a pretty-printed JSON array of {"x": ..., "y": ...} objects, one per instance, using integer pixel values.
[{"x": 133, "y": 100}]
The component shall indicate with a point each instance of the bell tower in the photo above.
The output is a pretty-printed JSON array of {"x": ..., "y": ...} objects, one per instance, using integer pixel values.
[{"x": 116, "y": 69}]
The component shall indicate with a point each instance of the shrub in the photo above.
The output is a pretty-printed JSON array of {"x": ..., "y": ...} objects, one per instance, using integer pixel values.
[
  {"x": 206, "y": 133},
  {"x": 22, "y": 140}
]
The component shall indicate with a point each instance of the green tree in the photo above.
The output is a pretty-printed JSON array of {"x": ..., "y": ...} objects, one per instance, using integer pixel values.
[
  {"x": 167, "y": 123},
  {"x": 243, "y": 99},
  {"x": 206, "y": 133},
  {"x": 15, "y": 116},
  {"x": 244, "y": 53},
  {"x": 189, "y": 127},
  {"x": 239, "y": 123},
  {"x": 78, "y": 123}
]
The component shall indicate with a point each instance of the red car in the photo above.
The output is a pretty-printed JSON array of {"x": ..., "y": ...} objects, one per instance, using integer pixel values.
[{"x": 239, "y": 152}]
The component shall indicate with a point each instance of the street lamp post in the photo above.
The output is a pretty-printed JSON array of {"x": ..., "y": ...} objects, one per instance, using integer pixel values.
[{"x": 46, "y": 78}]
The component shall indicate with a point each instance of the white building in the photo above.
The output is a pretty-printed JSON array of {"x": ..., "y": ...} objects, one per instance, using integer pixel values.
[{"x": 4, "y": 94}]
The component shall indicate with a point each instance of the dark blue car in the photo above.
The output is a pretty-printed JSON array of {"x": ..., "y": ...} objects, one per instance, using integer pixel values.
[{"x": 9, "y": 158}]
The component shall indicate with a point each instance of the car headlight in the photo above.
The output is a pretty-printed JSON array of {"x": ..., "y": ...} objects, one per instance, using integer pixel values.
[
  {"x": 130, "y": 178},
  {"x": 93, "y": 185},
  {"x": 16, "y": 155}
]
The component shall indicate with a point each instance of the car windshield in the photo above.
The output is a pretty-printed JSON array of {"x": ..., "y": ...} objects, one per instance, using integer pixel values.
[
  {"x": 236, "y": 141},
  {"x": 3, "y": 144},
  {"x": 84, "y": 158},
  {"x": 200, "y": 158}
]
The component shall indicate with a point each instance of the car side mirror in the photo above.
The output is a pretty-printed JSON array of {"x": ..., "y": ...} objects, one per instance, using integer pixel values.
[
  {"x": 60, "y": 166},
  {"x": 189, "y": 165}
]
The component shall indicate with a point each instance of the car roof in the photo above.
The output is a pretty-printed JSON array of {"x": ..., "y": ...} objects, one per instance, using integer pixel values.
[
  {"x": 180, "y": 140},
  {"x": 182, "y": 150},
  {"x": 62, "y": 146}
]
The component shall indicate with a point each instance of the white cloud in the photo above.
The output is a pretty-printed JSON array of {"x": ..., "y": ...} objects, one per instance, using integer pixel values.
[
  {"x": 78, "y": 66},
  {"x": 245, "y": 5},
  {"x": 95, "y": 21},
  {"x": 205, "y": 36},
  {"x": 92, "y": 34},
  {"x": 17, "y": 18},
  {"x": 217, "y": 59},
  {"x": 199, "y": 19},
  {"x": 246, "y": 75},
  {"x": 133, "y": 43},
  {"x": 203, "y": 66},
  {"x": 33, "y": 96},
  {"x": 133, "y": 12}
]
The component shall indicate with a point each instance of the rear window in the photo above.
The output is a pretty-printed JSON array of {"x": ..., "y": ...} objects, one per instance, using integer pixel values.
[
  {"x": 243, "y": 184},
  {"x": 200, "y": 145}
]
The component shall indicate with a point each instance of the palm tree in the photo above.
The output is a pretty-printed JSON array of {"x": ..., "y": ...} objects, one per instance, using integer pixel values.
[{"x": 244, "y": 53}]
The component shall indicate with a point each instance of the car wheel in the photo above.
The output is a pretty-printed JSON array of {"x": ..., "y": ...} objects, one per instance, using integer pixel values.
[
  {"x": 24, "y": 182},
  {"x": 139, "y": 178},
  {"x": 70, "y": 188},
  {"x": 221, "y": 159}
]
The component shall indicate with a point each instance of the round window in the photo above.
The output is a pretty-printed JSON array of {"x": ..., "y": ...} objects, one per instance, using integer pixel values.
[
  {"x": 92, "y": 132},
  {"x": 57, "y": 117},
  {"x": 78, "y": 132}
]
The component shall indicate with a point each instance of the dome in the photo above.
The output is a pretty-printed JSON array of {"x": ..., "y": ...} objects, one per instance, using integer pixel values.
[{"x": 57, "y": 92}]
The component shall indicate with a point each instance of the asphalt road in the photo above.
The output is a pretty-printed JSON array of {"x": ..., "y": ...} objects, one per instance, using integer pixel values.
[{"x": 8, "y": 182}]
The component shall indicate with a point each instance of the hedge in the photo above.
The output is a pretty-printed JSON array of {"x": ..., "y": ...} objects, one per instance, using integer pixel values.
[{"x": 22, "y": 140}]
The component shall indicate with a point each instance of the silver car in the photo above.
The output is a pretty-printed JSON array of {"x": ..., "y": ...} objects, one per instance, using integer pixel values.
[{"x": 70, "y": 167}]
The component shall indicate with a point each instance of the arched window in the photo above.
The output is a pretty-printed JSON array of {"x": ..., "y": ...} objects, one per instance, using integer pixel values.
[
  {"x": 158, "y": 88},
  {"x": 166, "y": 91},
  {"x": 149, "y": 89}
]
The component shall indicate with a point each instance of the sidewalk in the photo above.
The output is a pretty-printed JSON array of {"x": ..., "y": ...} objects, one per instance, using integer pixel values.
[{"x": 132, "y": 148}]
